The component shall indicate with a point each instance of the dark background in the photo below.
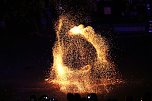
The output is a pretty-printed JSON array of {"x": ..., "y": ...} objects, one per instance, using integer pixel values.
[{"x": 27, "y": 36}]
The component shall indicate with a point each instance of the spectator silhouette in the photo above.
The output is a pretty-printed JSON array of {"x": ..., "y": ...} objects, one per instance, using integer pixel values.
[
  {"x": 44, "y": 98},
  {"x": 92, "y": 97},
  {"x": 84, "y": 99},
  {"x": 77, "y": 97},
  {"x": 70, "y": 97}
]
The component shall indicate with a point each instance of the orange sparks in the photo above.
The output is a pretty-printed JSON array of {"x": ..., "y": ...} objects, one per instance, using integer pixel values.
[{"x": 80, "y": 62}]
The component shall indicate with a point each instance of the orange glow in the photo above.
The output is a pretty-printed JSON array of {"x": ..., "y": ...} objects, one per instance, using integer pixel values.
[{"x": 80, "y": 62}]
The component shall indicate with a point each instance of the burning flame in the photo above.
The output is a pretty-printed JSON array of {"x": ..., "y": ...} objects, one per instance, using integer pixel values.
[{"x": 80, "y": 60}]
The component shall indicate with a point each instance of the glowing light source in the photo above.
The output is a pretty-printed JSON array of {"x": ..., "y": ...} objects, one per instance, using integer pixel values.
[
  {"x": 77, "y": 30},
  {"x": 95, "y": 73}
]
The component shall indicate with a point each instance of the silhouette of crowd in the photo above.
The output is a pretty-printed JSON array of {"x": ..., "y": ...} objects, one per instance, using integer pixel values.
[
  {"x": 91, "y": 97},
  {"x": 70, "y": 97}
]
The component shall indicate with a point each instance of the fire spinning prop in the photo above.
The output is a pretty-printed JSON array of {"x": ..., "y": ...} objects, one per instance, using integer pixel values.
[{"x": 80, "y": 62}]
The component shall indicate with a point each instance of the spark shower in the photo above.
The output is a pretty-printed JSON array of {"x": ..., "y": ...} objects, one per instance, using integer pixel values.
[{"x": 80, "y": 63}]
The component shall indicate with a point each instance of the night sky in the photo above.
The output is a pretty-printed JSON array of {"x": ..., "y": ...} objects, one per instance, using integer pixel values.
[{"x": 27, "y": 36}]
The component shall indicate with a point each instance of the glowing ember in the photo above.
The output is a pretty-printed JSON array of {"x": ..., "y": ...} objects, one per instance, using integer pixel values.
[{"x": 80, "y": 60}]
